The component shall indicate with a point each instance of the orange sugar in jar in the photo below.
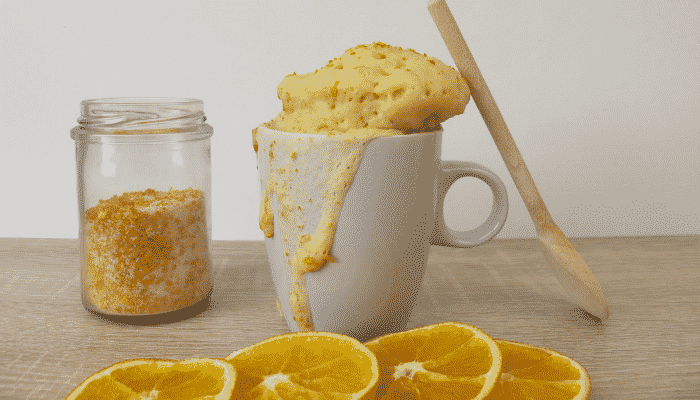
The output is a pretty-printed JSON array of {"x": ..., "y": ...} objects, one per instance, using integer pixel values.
[{"x": 144, "y": 200}]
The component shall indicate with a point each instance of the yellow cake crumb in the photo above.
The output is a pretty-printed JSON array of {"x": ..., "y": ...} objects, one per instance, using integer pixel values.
[{"x": 372, "y": 86}]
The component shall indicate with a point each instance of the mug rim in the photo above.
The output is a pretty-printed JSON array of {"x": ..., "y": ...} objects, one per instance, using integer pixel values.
[{"x": 324, "y": 136}]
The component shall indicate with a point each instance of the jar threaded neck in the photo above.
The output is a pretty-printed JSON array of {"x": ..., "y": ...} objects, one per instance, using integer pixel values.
[{"x": 141, "y": 115}]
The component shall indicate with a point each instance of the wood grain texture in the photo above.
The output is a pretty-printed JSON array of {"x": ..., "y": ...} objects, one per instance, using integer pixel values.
[{"x": 649, "y": 348}]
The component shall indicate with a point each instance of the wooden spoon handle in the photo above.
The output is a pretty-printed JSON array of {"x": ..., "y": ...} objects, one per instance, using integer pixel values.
[
  {"x": 489, "y": 111},
  {"x": 578, "y": 280}
]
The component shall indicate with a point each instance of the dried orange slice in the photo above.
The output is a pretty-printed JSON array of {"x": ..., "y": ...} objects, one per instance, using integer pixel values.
[
  {"x": 531, "y": 372},
  {"x": 450, "y": 360},
  {"x": 197, "y": 378},
  {"x": 305, "y": 365}
]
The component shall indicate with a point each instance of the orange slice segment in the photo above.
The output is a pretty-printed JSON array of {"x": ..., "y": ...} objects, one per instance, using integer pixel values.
[
  {"x": 531, "y": 372},
  {"x": 199, "y": 378},
  {"x": 450, "y": 360},
  {"x": 305, "y": 365}
]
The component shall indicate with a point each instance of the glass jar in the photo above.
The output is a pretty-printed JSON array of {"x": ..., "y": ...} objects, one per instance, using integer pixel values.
[{"x": 144, "y": 204}]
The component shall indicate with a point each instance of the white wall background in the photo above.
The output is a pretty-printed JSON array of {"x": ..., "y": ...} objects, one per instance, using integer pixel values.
[{"x": 602, "y": 98}]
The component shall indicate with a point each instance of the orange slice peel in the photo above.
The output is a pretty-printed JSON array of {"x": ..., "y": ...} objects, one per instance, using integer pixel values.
[
  {"x": 305, "y": 365},
  {"x": 197, "y": 378},
  {"x": 540, "y": 373},
  {"x": 450, "y": 360}
]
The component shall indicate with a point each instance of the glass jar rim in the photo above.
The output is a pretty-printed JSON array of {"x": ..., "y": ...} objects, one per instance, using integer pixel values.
[
  {"x": 142, "y": 100},
  {"x": 155, "y": 117}
]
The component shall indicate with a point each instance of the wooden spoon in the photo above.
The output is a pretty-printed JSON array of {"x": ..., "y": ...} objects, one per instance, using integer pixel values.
[{"x": 579, "y": 283}]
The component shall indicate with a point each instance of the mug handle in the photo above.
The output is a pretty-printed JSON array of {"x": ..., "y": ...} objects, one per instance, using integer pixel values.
[{"x": 449, "y": 172}]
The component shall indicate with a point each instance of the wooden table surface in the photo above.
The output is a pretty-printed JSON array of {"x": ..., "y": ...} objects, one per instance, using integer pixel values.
[{"x": 649, "y": 348}]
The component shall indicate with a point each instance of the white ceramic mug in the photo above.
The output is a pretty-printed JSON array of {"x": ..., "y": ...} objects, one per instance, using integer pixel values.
[{"x": 391, "y": 214}]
